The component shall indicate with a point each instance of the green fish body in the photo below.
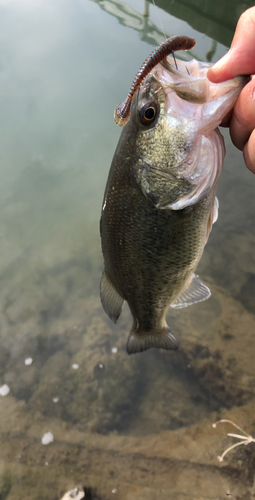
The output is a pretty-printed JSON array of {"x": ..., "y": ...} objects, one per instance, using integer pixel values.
[{"x": 160, "y": 202}]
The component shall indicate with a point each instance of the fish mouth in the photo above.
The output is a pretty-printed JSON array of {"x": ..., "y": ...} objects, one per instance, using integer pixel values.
[
  {"x": 189, "y": 81},
  {"x": 191, "y": 109},
  {"x": 189, "y": 93},
  {"x": 194, "y": 107}
]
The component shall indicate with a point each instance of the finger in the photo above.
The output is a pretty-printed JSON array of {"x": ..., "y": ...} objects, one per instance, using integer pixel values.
[
  {"x": 240, "y": 59},
  {"x": 243, "y": 116},
  {"x": 249, "y": 153},
  {"x": 226, "y": 120}
]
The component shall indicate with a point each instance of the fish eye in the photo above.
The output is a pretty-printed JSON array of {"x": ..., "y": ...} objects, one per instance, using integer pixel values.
[{"x": 148, "y": 113}]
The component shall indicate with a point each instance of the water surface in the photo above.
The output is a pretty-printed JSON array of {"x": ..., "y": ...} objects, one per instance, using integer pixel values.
[{"x": 124, "y": 427}]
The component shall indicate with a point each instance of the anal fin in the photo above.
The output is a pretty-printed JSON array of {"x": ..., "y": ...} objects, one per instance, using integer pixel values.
[
  {"x": 195, "y": 292},
  {"x": 111, "y": 300}
]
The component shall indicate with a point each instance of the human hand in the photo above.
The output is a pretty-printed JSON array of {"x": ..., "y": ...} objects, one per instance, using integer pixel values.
[{"x": 240, "y": 60}]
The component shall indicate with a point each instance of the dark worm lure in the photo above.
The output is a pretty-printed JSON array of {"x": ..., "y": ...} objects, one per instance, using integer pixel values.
[{"x": 171, "y": 45}]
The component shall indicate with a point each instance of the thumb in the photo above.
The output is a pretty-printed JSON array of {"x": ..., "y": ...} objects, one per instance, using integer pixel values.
[{"x": 240, "y": 59}]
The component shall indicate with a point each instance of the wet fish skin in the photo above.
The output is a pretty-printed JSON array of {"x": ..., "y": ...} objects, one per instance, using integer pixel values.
[
  {"x": 141, "y": 244},
  {"x": 150, "y": 249}
]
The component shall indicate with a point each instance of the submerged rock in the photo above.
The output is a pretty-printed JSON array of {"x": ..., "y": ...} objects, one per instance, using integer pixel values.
[{"x": 75, "y": 494}]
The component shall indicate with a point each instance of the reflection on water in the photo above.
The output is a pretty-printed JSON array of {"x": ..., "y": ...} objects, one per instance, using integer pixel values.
[
  {"x": 121, "y": 427},
  {"x": 216, "y": 19}
]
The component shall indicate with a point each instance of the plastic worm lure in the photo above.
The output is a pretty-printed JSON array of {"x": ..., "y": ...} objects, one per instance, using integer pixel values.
[{"x": 122, "y": 111}]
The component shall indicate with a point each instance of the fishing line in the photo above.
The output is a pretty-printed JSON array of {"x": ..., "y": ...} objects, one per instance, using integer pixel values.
[
  {"x": 162, "y": 29},
  {"x": 160, "y": 23}
]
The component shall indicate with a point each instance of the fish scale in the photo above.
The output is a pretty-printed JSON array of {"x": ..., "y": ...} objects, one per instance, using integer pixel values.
[{"x": 144, "y": 269}]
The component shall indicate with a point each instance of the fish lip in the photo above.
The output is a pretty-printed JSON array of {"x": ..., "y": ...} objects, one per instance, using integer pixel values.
[
  {"x": 192, "y": 67},
  {"x": 193, "y": 85},
  {"x": 191, "y": 100}
]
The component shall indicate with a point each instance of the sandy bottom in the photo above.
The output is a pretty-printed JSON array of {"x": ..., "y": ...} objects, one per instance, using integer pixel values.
[{"x": 125, "y": 427}]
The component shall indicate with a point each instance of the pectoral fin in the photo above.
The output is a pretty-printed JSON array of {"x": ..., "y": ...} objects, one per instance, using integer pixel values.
[
  {"x": 195, "y": 292},
  {"x": 213, "y": 216},
  {"x": 111, "y": 300},
  {"x": 215, "y": 209}
]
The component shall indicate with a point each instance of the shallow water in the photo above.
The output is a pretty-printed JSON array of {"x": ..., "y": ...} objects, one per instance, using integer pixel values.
[{"x": 136, "y": 427}]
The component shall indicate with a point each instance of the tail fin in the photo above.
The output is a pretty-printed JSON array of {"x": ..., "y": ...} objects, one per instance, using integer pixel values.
[{"x": 162, "y": 339}]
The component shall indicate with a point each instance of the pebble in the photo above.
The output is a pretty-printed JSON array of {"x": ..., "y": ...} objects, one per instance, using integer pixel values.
[
  {"x": 75, "y": 494},
  {"x": 28, "y": 361},
  {"x": 4, "y": 390},
  {"x": 47, "y": 438}
]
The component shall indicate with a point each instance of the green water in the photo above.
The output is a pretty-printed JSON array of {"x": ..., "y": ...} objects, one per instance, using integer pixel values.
[{"x": 124, "y": 427}]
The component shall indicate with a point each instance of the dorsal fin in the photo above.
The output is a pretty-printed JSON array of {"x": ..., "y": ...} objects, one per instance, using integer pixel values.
[
  {"x": 111, "y": 300},
  {"x": 195, "y": 292}
]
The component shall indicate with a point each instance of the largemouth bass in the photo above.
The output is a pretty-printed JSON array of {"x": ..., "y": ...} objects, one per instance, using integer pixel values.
[{"x": 160, "y": 198}]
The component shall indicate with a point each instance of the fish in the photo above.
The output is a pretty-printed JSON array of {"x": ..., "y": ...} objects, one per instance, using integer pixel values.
[{"x": 160, "y": 198}]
